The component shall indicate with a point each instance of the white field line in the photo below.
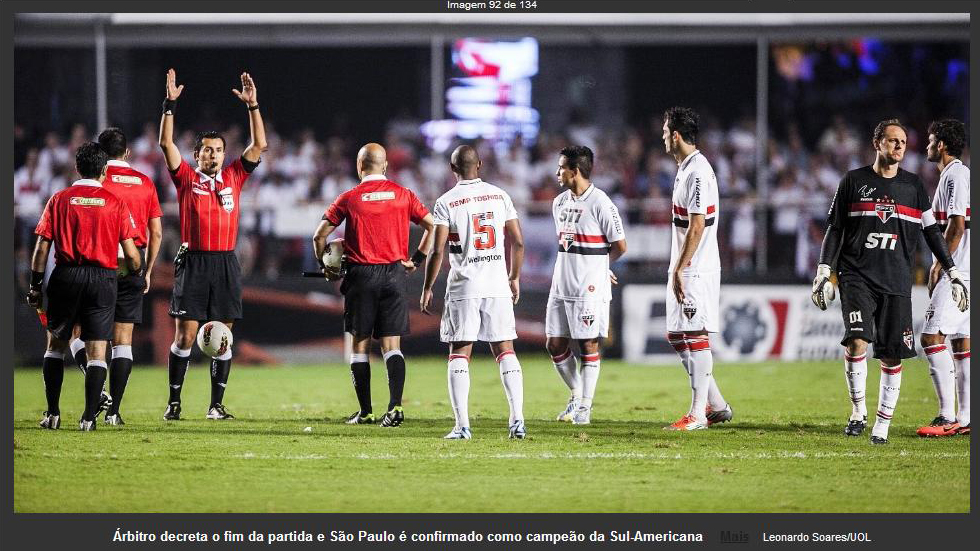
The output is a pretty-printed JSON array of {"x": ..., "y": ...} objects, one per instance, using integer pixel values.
[
  {"x": 782, "y": 454},
  {"x": 603, "y": 455}
]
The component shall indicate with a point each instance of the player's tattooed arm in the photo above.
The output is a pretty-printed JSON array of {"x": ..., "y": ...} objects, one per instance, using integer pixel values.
[
  {"x": 937, "y": 244},
  {"x": 432, "y": 266},
  {"x": 170, "y": 152},
  {"x": 955, "y": 230}
]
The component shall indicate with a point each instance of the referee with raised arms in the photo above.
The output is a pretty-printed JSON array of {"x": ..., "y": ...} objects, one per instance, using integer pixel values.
[
  {"x": 87, "y": 224},
  {"x": 207, "y": 277},
  {"x": 377, "y": 212}
]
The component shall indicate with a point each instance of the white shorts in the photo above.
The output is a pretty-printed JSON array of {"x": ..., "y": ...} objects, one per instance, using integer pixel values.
[
  {"x": 699, "y": 312},
  {"x": 478, "y": 319},
  {"x": 943, "y": 316},
  {"x": 576, "y": 319}
]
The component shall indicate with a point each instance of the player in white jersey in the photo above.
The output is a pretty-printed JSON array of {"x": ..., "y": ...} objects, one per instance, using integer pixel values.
[
  {"x": 590, "y": 236},
  {"x": 950, "y": 373},
  {"x": 473, "y": 218},
  {"x": 694, "y": 278}
]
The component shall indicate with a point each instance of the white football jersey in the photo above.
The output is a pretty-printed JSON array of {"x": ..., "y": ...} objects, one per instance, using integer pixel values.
[
  {"x": 586, "y": 225},
  {"x": 953, "y": 199},
  {"x": 695, "y": 192},
  {"x": 475, "y": 213}
]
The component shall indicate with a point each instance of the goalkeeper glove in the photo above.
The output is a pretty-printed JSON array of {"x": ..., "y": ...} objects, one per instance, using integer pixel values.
[
  {"x": 961, "y": 296},
  {"x": 823, "y": 290}
]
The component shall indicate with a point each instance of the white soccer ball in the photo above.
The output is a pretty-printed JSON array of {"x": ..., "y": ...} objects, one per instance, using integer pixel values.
[
  {"x": 334, "y": 254},
  {"x": 214, "y": 338}
]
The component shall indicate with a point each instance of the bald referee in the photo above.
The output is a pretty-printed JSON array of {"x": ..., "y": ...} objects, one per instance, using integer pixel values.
[
  {"x": 87, "y": 224},
  {"x": 208, "y": 278},
  {"x": 377, "y": 212}
]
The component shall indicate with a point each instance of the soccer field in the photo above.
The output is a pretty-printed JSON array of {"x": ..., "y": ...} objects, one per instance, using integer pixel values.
[{"x": 784, "y": 451}]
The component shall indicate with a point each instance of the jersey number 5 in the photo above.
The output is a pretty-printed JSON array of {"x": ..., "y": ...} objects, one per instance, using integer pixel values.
[{"x": 484, "y": 235}]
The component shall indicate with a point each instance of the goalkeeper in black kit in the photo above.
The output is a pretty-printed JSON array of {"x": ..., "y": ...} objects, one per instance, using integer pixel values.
[{"x": 872, "y": 231}]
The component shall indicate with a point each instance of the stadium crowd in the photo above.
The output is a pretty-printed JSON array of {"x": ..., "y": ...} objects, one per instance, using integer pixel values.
[{"x": 302, "y": 172}]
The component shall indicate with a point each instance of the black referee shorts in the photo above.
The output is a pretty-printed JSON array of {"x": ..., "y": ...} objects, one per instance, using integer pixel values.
[
  {"x": 207, "y": 286},
  {"x": 85, "y": 295},
  {"x": 880, "y": 319},
  {"x": 374, "y": 300},
  {"x": 129, "y": 296}
]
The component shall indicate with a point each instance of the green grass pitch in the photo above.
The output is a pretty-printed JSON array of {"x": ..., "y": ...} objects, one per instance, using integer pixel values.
[{"x": 784, "y": 451}]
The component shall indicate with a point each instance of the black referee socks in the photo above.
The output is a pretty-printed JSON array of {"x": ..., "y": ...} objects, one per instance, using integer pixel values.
[
  {"x": 119, "y": 370},
  {"x": 95, "y": 374},
  {"x": 53, "y": 370},
  {"x": 177, "y": 365},
  {"x": 360, "y": 371},
  {"x": 395, "y": 363},
  {"x": 219, "y": 378}
]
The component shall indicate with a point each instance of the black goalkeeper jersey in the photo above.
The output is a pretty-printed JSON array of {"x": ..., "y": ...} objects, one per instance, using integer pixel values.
[{"x": 882, "y": 219}]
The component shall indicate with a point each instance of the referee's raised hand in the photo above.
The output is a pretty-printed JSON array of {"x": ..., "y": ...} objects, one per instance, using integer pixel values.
[
  {"x": 248, "y": 94},
  {"x": 173, "y": 91}
]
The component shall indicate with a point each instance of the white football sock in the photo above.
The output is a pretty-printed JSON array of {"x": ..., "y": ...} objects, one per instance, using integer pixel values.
[
  {"x": 962, "y": 362},
  {"x": 888, "y": 390},
  {"x": 75, "y": 345},
  {"x": 513, "y": 380},
  {"x": 856, "y": 374},
  {"x": 715, "y": 399},
  {"x": 459, "y": 388},
  {"x": 702, "y": 363},
  {"x": 590, "y": 377},
  {"x": 566, "y": 366},
  {"x": 943, "y": 378}
]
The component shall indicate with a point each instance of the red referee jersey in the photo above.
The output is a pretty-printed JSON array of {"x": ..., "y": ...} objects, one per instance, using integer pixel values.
[
  {"x": 209, "y": 207},
  {"x": 137, "y": 191},
  {"x": 377, "y": 212},
  {"x": 86, "y": 223}
]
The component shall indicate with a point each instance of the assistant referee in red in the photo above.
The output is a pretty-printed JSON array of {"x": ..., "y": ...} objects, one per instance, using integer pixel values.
[
  {"x": 87, "y": 224},
  {"x": 377, "y": 212},
  {"x": 208, "y": 278}
]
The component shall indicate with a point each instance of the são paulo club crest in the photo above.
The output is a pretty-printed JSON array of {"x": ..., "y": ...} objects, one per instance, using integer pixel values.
[
  {"x": 566, "y": 239},
  {"x": 689, "y": 311},
  {"x": 884, "y": 212},
  {"x": 907, "y": 338}
]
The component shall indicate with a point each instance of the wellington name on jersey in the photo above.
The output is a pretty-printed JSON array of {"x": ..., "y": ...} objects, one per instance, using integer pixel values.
[
  {"x": 585, "y": 225},
  {"x": 695, "y": 192},
  {"x": 475, "y": 213},
  {"x": 953, "y": 199},
  {"x": 882, "y": 220}
]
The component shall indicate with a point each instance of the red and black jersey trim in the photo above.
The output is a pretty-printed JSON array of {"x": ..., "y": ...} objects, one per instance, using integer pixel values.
[
  {"x": 588, "y": 251},
  {"x": 942, "y": 218},
  {"x": 682, "y": 219},
  {"x": 455, "y": 246},
  {"x": 885, "y": 211},
  {"x": 584, "y": 244}
]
